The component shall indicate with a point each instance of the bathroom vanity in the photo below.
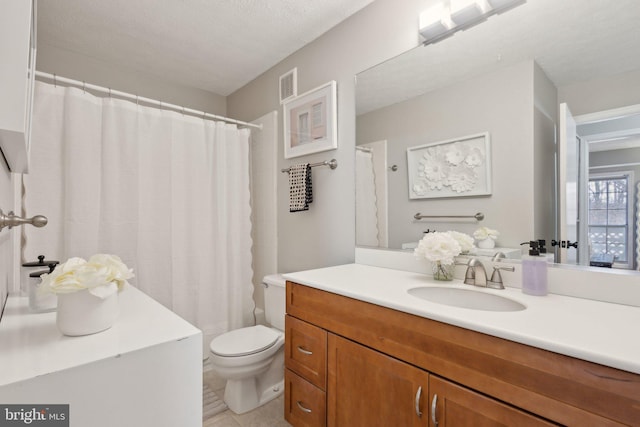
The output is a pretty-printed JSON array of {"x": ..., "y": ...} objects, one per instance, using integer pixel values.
[
  {"x": 362, "y": 351},
  {"x": 146, "y": 370}
]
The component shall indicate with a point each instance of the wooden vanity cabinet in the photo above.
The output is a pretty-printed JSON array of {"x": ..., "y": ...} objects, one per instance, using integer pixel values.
[{"x": 385, "y": 367}]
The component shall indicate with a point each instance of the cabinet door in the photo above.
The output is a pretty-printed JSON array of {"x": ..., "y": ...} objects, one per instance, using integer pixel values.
[
  {"x": 306, "y": 351},
  {"x": 368, "y": 388},
  {"x": 456, "y": 406},
  {"x": 305, "y": 405}
]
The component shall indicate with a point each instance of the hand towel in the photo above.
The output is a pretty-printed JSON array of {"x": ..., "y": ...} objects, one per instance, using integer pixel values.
[{"x": 300, "y": 189}]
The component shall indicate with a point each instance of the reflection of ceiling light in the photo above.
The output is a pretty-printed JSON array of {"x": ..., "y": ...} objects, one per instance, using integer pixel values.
[
  {"x": 442, "y": 20},
  {"x": 435, "y": 21},
  {"x": 463, "y": 11}
]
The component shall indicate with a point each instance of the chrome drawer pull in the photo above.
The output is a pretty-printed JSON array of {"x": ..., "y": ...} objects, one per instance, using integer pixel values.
[
  {"x": 433, "y": 410},
  {"x": 418, "y": 394},
  {"x": 302, "y": 408},
  {"x": 303, "y": 351}
]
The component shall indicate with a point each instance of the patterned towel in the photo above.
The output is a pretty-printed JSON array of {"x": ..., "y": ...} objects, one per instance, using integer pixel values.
[{"x": 300, "y": 190}]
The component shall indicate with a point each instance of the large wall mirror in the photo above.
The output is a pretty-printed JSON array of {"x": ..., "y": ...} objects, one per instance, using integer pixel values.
[{"x": 507, "y": 78}]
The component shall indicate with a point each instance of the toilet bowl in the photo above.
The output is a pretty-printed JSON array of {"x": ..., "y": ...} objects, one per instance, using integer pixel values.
[{"x": 251, "y": 359}]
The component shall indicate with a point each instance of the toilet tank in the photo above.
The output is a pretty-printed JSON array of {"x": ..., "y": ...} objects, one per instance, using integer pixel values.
[{"x": 274, "y": 300}]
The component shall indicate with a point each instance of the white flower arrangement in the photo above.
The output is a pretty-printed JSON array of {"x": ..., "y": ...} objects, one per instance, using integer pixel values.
[
  {"x": 103, "y": 275},
  {"x": 483, "y": 233},
  {"x": 464, "y": 240},
  {"x": 438, "y": 247}
]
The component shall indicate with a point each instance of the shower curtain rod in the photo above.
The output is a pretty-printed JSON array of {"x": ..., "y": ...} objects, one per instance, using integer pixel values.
[{"x": 136, "y": 98}]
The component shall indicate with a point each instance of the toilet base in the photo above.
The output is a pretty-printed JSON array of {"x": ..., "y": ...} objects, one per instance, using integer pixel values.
[
  {"x": 241, "y": 396},
  {"x": 244, "y": 395}
]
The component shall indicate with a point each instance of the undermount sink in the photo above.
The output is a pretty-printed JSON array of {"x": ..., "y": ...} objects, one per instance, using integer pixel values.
[{"x": 466, "y": 298}]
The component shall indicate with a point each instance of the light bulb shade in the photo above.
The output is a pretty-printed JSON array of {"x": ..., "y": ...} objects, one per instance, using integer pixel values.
[
  {"x": 434, "y": 22},
  {"x": 464, "y": 11},
  {"x": 503, "y": 4}
]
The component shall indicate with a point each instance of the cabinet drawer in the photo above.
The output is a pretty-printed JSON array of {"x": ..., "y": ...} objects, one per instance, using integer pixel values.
[
  {"x": 306, "y": 351},
  {"x": 305, "y": 405}
]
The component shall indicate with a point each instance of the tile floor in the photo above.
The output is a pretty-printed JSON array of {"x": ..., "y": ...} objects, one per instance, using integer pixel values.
[{"x": 269, "y": 415}]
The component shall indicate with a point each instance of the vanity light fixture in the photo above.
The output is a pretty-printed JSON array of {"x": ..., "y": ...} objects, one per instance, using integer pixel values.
[{"x": 445, "y": 18}]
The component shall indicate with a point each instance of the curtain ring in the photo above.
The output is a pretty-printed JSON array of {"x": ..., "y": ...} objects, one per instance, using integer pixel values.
[
  {"x": 55, "y": 81},
  {"x": 183, "y": 111},
  {"x": 160, "y": 104},
  {"x": 84, "y": 87},
  {"x": 137, "y": 100},
  {"x": 204, "y": 115},
  {"x": 109, "y": 92}
]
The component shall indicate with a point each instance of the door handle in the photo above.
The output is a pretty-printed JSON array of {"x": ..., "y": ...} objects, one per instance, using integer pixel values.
[
  {"x": 434, "y": 403},
  {"x": 303, "y": 351},
  {"x": 418, "y": 394},
  {"x": 302, "y": 408}
]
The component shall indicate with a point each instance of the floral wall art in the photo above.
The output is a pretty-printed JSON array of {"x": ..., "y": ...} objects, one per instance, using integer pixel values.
[{"x": 458, "y": 167}]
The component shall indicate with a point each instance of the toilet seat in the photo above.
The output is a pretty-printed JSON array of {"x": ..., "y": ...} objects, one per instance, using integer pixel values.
[{"x": 244, "y": 341}]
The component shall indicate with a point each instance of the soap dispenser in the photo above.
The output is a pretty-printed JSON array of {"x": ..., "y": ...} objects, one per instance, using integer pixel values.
[{"x": 534, "y": 270}]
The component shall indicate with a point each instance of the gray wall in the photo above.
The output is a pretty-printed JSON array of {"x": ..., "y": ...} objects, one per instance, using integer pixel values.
[
  {"x": 65, "y": 63},
  {"x": 500, "y": 103},
  {"x": 602, "y": 94},
  {"x": 325, "y": 235}
]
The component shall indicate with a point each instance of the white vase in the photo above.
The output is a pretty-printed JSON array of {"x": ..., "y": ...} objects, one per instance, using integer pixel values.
[
  {"x": 488, "y": 243},
  {"x": 82, "y": 313}
]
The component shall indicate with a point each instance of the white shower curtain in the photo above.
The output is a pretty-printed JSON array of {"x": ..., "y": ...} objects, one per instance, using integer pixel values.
[
  {"x": 366, "y": 207},
  {"x": 167, "y": 193}
]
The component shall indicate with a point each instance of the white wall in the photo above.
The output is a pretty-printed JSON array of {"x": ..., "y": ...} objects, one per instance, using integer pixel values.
[{"x": 6, "y": 252}]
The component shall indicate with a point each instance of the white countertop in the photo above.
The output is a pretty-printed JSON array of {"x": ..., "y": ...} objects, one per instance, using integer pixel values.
[
  {"x": 595, "y": 331},
  {"x": 31, "y": 345}
]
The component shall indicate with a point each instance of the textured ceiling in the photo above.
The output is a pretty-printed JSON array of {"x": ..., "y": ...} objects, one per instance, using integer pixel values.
[
  {"x": 215, "y": 45},
  {"x": 572, "y": 40}
]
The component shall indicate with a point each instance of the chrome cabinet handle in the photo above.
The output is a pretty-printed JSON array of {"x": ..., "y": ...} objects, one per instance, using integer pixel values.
[
  {"x": 303, "y": 351},
  {"x": 433, "y": 410},
  {"x": 418, "y": 394},
  {"x": 302, "y": 408}
]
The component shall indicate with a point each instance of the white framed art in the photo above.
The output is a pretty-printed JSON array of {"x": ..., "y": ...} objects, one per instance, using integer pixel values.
[
  {"x": 310, "y": 122},
  {"x": 459, "y": 167}
]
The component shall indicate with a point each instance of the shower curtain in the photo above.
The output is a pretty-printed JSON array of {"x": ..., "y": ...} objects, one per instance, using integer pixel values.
[
  {"x": 366, "y": 208},
  {"x": 167, "y": 193}
]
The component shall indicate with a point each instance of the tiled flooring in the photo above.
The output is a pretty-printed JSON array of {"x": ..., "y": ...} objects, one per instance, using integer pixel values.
[{"x": 269, "y": 415}]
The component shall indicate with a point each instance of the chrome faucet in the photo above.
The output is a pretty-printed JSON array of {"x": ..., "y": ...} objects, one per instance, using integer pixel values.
[{"x": 475, "y": 275}]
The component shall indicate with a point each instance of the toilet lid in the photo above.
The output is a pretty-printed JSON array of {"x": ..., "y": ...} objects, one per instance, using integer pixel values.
[{"x": 244, "y": 341}]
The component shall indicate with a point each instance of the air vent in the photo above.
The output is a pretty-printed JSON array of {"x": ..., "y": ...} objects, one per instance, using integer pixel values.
[{"x": 288, "y": 85}]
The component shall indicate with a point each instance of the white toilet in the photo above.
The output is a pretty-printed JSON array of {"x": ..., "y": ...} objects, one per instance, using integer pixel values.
[{"x": 252, "y": 359}]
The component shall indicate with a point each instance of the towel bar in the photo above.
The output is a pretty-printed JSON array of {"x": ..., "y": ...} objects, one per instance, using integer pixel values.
[
  {"x": 479, "y": 216},
  {"x": 333, "y": 163}
]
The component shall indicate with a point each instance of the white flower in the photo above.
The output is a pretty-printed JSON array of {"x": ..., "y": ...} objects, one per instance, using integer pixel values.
[
  {"x": 455, "y": 155},
  {"x": 475, "y": 157},
  {"x": 438, "y": 247},
  {"x": 485, "y": 233},
  {"x": 464, "y": 240},
  {"x": 461, "y": 180},
  {"x": 102, "y": 275}
]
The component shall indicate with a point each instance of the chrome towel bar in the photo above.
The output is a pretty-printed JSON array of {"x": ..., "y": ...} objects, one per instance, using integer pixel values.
[
  {"x": 479, "y": 216},
  {"x": 333, "y": 163}
]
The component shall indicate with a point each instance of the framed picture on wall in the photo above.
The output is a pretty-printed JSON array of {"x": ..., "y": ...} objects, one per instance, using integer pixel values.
[
  {"x": 459, "y": 167},
  {"x": 310, "y": 123}
]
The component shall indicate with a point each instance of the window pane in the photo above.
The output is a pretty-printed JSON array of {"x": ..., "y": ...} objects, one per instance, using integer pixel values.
[
  {"x": 617, "y": 200},
  {"x": 608, "y": 215},
  {"x": 597, "y": 217},
  {"x": 617, "y": 217}
]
